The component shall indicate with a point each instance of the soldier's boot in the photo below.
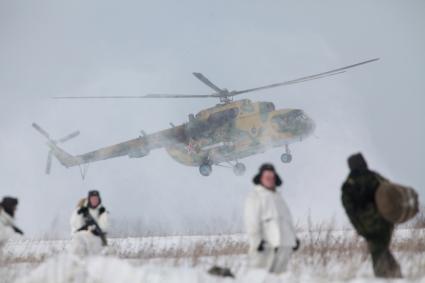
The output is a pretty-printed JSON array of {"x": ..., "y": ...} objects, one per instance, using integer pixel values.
[
  {"x": 386, "y": 266},
  {"x": 384, "y": 263}
]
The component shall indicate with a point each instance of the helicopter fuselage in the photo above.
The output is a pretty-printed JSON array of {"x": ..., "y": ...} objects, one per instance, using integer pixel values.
[{"x": 232, "y": 131}]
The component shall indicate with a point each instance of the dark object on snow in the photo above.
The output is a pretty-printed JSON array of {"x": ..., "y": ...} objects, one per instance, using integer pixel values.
[
  {"x": 396, "y": 203},
  {"x": 358, "y": 199},
  {"x": 267, "y": 167},
  {"x": 221, "y": 271}
]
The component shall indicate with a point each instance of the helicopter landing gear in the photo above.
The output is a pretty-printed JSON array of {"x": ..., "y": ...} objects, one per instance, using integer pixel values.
[
  {"x": 205, "y": 169},
  {"x": 287, "y": 156},
  {"x": 239, "y": 169}
]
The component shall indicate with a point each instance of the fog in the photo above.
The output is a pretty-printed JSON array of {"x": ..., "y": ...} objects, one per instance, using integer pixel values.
[{"x": 54, "y": 48}]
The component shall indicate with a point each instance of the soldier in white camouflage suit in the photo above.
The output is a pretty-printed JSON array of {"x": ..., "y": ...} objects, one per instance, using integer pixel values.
[
  {"x": 8, "y": 228},
  {"x": 269, "y": 224},
  {"x": 89, "y": 223}
]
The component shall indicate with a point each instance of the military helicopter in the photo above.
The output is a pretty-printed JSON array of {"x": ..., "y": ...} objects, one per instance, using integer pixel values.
[{"x": 221, "y": 135}]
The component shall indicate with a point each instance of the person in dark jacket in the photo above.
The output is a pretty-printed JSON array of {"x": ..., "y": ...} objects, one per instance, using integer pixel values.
[{"x": 358, "y": 199}]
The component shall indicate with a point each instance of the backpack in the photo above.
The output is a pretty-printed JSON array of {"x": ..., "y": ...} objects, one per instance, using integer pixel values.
[{"x": 396, "y": 203}]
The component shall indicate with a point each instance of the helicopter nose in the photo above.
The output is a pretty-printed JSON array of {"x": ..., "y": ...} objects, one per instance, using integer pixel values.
[
  {"x": 295, "y": 122},
  {"x": 309, "y": 125},
  {"x": 302, "y": 122}
]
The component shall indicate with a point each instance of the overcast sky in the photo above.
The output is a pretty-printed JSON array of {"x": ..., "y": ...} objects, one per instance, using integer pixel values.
[{"x": 50, "y": 48}]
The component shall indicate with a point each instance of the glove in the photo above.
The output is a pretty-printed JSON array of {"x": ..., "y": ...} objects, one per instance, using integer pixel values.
[
  {"x": 102, "y": 210},
  {"x": 297, "y": 245},
  {"x": 261, "y": 246},
  {"x": 83, "y": 210}
]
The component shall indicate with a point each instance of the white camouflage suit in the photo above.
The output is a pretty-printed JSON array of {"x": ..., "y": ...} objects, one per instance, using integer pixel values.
[
  {"x": 85, "y": 242},
  {"x": 268, "y": 219},
  {"x": 6, "y": 228}
]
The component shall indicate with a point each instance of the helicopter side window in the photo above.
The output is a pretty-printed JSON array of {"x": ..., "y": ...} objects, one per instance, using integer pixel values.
[
  {"x": 266, "y": 107},
  {"x": 270, "y": 107},
  {"x": 224, "y": 116}
]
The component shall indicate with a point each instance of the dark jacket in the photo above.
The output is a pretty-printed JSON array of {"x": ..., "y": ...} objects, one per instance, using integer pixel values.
[{"x": 358, "y": 199}]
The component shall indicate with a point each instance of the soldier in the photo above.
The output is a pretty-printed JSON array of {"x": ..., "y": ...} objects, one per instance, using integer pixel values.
[
  {"x": 7, "y": 225},
  {"x": 269, "y": 224},
  {"x": 358, "y": 199},
  {"x": 89, "y": 222}
]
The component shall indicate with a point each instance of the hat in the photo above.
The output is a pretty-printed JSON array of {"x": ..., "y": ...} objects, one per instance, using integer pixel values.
[
  {"x": 94, "y": 193},
  {"x": 9, "y": 205},
  {"x": 267, "y": 167},
  {"x": 357, "y": 162}
]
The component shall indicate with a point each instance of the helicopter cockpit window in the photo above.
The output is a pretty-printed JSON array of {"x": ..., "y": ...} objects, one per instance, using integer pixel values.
[
  {"x": 224, "y": 116},
  {"x": 270, "y": 107},
  {"x": 281, "y": 122}
]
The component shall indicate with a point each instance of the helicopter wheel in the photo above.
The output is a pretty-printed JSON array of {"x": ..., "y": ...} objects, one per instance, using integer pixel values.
[
  {"x": 205, "y": 169},
  {"x": 239, "y": 169},
  {"x": 286, "y": 158}
]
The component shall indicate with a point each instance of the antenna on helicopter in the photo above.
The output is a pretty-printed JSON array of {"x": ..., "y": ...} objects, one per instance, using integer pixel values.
[{"x": 224, "y": 94}]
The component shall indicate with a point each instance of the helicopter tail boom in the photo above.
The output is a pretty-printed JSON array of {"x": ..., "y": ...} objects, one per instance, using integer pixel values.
[
  {"x": 134, "y": 148},
  {"x": 64, "y": 157}
]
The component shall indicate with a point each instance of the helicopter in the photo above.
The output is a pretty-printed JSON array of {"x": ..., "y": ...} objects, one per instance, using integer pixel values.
[{"x": 218, "y": 136}]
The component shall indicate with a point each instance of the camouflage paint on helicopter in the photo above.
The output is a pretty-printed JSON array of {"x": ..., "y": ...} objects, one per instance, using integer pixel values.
[
  {"x": 241, "y": 129},
  {"x": 225, "y": 133}
]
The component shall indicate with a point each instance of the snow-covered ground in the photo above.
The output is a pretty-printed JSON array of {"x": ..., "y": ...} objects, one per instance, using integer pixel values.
[{"x": 326, "y": 256}]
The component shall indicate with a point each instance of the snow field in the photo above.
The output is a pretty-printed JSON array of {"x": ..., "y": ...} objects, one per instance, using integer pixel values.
[{"x": 326, "y": 256}]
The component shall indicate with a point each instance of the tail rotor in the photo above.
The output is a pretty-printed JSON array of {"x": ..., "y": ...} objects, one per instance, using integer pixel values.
[
  {"x": 53, "y": 143},
  {"x": 49, "y": 162}
]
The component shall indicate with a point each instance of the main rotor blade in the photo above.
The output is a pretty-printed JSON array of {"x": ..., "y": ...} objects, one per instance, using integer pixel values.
[
  {"x": 306, "y": 78},
  {"x": 68, "y": 137},
  {"x": 160, "y": 95},
  {"x": 153, "y": 95},
  {"x": 206, "y": 81},
  {"x": 40, "y": 130}
]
